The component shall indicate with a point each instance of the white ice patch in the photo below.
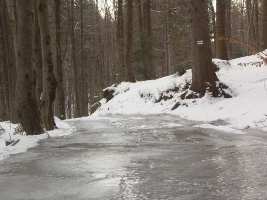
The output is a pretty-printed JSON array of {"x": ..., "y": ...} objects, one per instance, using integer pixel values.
[{"x": 220, "y": 128}]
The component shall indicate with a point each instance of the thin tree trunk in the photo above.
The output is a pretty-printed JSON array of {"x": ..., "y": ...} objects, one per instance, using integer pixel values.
[
  {"x": 167, "y": 42},
  {"x": 221, "y": 47},
  {"x": 242, "y": 26},
  {"x": 257, "y": 32},
  {"x": 120, "y": 40},
  {"x": 129, "y": 47},
  {"x": 148, "y": 63},
  {"x": 142, "y": 37},
  {"x": 228, "y": 27},
  {"x": 264, "y": 18},
  {"x": 83, "y": 86},
  {"x": 74, "y": 62},
  {"x": 60, "y": 96}
]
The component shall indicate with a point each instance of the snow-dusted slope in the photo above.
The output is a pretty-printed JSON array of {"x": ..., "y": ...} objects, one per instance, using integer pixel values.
[
  {"x": 26, "y": 142},
  {"x": 246, "y": 77}
]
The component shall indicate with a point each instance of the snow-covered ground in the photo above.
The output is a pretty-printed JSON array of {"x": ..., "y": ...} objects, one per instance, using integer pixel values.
[
  {"x": 246, "y": 77},
  {"x": 26, "y": 142}
]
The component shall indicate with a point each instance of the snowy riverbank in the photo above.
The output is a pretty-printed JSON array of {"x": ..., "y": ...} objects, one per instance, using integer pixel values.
[
  {"x": 26, "y": 142},
  {"x": 246, "y": 78}
]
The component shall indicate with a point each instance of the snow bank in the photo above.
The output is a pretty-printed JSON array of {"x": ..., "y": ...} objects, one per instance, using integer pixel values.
[
  {"x": 26, "y": 142},
  {"x": 245, "y": 76},
  {"x": 142, "y": 97}
]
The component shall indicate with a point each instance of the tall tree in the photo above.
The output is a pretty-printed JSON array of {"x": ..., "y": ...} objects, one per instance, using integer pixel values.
[
  {"x": 141, "y": 29},
  {"x": 129, "y": 45},
  {"x": 38, "y": 63},
  {"x": 73, "y": 58},
  {"x": 82, "y": 71},
  {"x": 49, "y": 80},
  {"x": 252, "y": 25},
  {"x": 228, "y": 27},
  {"x": 221, "y": 46},
  {"x": 264, "y": 18},
  {"x": 120, "y": 40},
  {"x": 167, "y": 39},
  {"x": 203, "y": 70},
  {"x": 9, "y": 57},
  {"x": 145, "y": 29},
  {"x": 148, "y": 59},
  {"x": 4, "y": 100},
  {"x": 27, "y": 111},
  {"x": 60, "y": 97}
]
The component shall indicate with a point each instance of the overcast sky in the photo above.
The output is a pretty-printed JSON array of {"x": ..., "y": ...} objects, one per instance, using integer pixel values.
[
  {"x": 110, "y": 3},
  {"x": 102, "y": 3}
]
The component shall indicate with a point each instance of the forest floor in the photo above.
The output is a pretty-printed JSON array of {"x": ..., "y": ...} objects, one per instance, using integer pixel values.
[{"x": 246, "y": 78}]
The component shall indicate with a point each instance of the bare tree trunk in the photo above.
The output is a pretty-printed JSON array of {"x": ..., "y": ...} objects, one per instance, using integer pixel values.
[
  {"x": 252, "y": 20},
  {"x": 4, "y": 97},
  {"x": 203, "y": 70},
  {"x": 167, "y": 41},
  {"x": 82, "y": 72},
  {"x": 257, "y": 32},
  {"x": 8, "y": 32},
  {"x": 38, "y": 65},
  {"x": 228, "y": 27},
  {"x": 242, "y": 26},
  {"x": 49, "y": 80},
  {"x": 4, "y": 69},
  {"x": 129, "y": 47},
  {"x": 74, "y": 62},
  {"x": 27, "y": 110},
  {"x": 120, "y": 40},
  {"x": 141, "y": 35},
  {"x": 60, "y": 96},
  {"x": 148, "y": 62},
  {"x": 145, "y": 34},
  {"x": 69, "y": 84},
  {"x": 221, "y": 47},
  {"x": 264, "y": 18}
]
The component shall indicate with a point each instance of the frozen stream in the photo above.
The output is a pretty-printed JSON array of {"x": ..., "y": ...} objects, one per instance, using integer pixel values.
[{"x": 139, "y": 158}]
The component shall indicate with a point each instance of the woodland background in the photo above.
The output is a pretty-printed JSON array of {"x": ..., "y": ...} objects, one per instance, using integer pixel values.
[{"x": 79, "y": 47}]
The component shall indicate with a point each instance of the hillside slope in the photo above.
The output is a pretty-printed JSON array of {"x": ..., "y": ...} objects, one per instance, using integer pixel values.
[{"x": 246, "y": 78}]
